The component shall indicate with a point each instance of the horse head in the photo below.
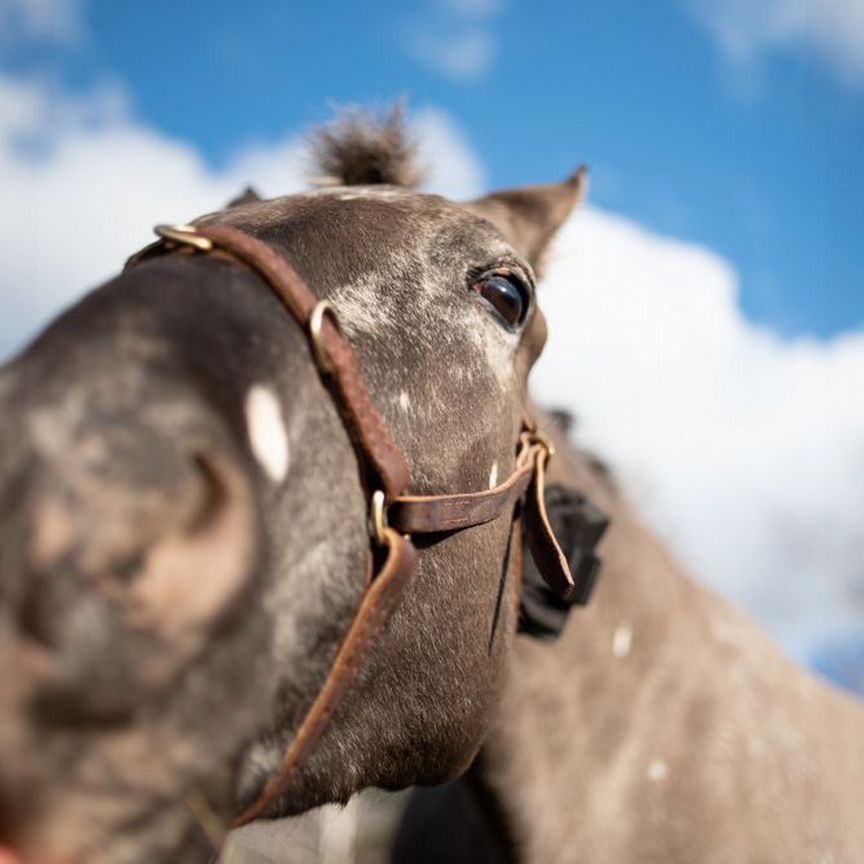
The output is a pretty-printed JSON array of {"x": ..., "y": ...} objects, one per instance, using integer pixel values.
[{"x": 184, "y": 522}]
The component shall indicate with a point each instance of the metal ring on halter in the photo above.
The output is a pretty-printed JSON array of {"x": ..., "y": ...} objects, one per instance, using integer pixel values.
[
  {"x": 186, "y": 235},
  {"x": 316, "y": 334},
  {"x": 379, "y": 518},
  {"x": 544, "y": 441}
]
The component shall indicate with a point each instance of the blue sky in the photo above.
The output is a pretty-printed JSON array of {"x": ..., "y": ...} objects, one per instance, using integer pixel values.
[{"x": 722, "y": 133}]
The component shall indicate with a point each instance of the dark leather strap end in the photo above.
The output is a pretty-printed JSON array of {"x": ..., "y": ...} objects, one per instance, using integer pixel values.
[
  {"x": 585, "y": 570},
  {"x": 577, "y": 526},
  {"x": 545, "y": 549}
]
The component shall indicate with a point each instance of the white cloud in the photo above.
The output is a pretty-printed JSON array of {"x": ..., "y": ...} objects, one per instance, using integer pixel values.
[
  {"x": 451, "y": 168},
  {"x": 456, "y": 38},
  {"x": 56, "y": 21},
  {"x": 463, "y": 56},
  {"x": 99, "y": 181},
  {"x": 745, "y": 451},
  {"x": 833, "y": 29},
  {"x": 90, "y": 193},
  {"x": 474, "y": 8}
]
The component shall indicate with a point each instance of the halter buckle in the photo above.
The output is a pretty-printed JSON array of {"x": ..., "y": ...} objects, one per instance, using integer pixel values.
[
  {"x": 316, "y": 334},
  {"x": 533, "y": 445},
  {"x": 185, "y": 235},
  {"x": 537, "y": 437},
  {"x": 379, "y": 518}
]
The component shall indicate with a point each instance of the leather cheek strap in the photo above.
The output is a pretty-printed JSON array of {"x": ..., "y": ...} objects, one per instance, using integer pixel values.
[
  {"x": 378, "y": 602},
  {"x": 367, "y": 428},
  {"x": 379, "y": 456}
]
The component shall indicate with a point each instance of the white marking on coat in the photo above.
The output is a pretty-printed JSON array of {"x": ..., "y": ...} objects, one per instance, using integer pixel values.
[
  {"x": 493, "y": 475},
  {"x": 267, "y": 431},
  {"x": 622, "y": 641},
  {"x": 658, "y": 770},
  {"x": 363, "y": 309},
  {"x": 404, "y": 401}
]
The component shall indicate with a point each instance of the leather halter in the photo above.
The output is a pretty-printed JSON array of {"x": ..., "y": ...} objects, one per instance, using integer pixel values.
[{"x": 385, "y": 475}]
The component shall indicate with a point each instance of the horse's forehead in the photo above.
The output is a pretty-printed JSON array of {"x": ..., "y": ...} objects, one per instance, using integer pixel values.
[
  {"x": 349, "y": 241},
  {"x": 392, "y": 218}
]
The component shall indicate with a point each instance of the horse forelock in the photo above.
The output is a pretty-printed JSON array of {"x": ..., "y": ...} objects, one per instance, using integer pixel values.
[{"x": 360, "y": 149}]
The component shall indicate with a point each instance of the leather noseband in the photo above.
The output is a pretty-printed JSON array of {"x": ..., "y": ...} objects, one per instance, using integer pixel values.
[{"x": 385, "y": 475}]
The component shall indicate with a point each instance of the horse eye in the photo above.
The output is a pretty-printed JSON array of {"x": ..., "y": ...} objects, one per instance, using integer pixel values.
[{"x": 507, "y": 296}]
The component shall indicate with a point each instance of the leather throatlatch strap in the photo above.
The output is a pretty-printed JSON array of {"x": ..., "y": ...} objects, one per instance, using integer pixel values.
[{"x": 383, "y": 466}]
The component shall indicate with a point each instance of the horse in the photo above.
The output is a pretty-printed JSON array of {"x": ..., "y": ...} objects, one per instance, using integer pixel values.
[
  {"x": 661, "y": 727},
  {"x": 211, "y": 612}
]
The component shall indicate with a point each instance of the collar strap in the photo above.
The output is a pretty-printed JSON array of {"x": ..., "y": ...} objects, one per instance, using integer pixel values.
[{"x": 394, "y": 516}]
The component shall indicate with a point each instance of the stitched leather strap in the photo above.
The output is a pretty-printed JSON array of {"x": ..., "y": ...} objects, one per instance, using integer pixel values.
[{"x": 425, "y": 514}]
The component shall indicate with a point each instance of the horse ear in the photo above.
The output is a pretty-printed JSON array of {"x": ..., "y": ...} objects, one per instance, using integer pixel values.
[
  {"x": 247, "y": 196},
  {"x": 530, "y": 216}
]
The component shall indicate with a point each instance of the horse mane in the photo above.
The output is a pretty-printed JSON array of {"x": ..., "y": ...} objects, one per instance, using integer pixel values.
[{"x": 360, "y": 148}]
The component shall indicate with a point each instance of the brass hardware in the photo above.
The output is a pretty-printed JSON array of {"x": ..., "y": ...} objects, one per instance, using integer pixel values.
[
  {"x": 185, "y": 235},
  {"x": 316, "y": 334},
  {"x": 379, "y": 518},
  {"x": 523, "y": 453},
  {"x": 545, "y": 442},
  {"x": 533, "y": 445}
]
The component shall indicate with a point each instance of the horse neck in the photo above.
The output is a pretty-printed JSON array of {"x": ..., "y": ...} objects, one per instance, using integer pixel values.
[{"x": 645, "y": 720}]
